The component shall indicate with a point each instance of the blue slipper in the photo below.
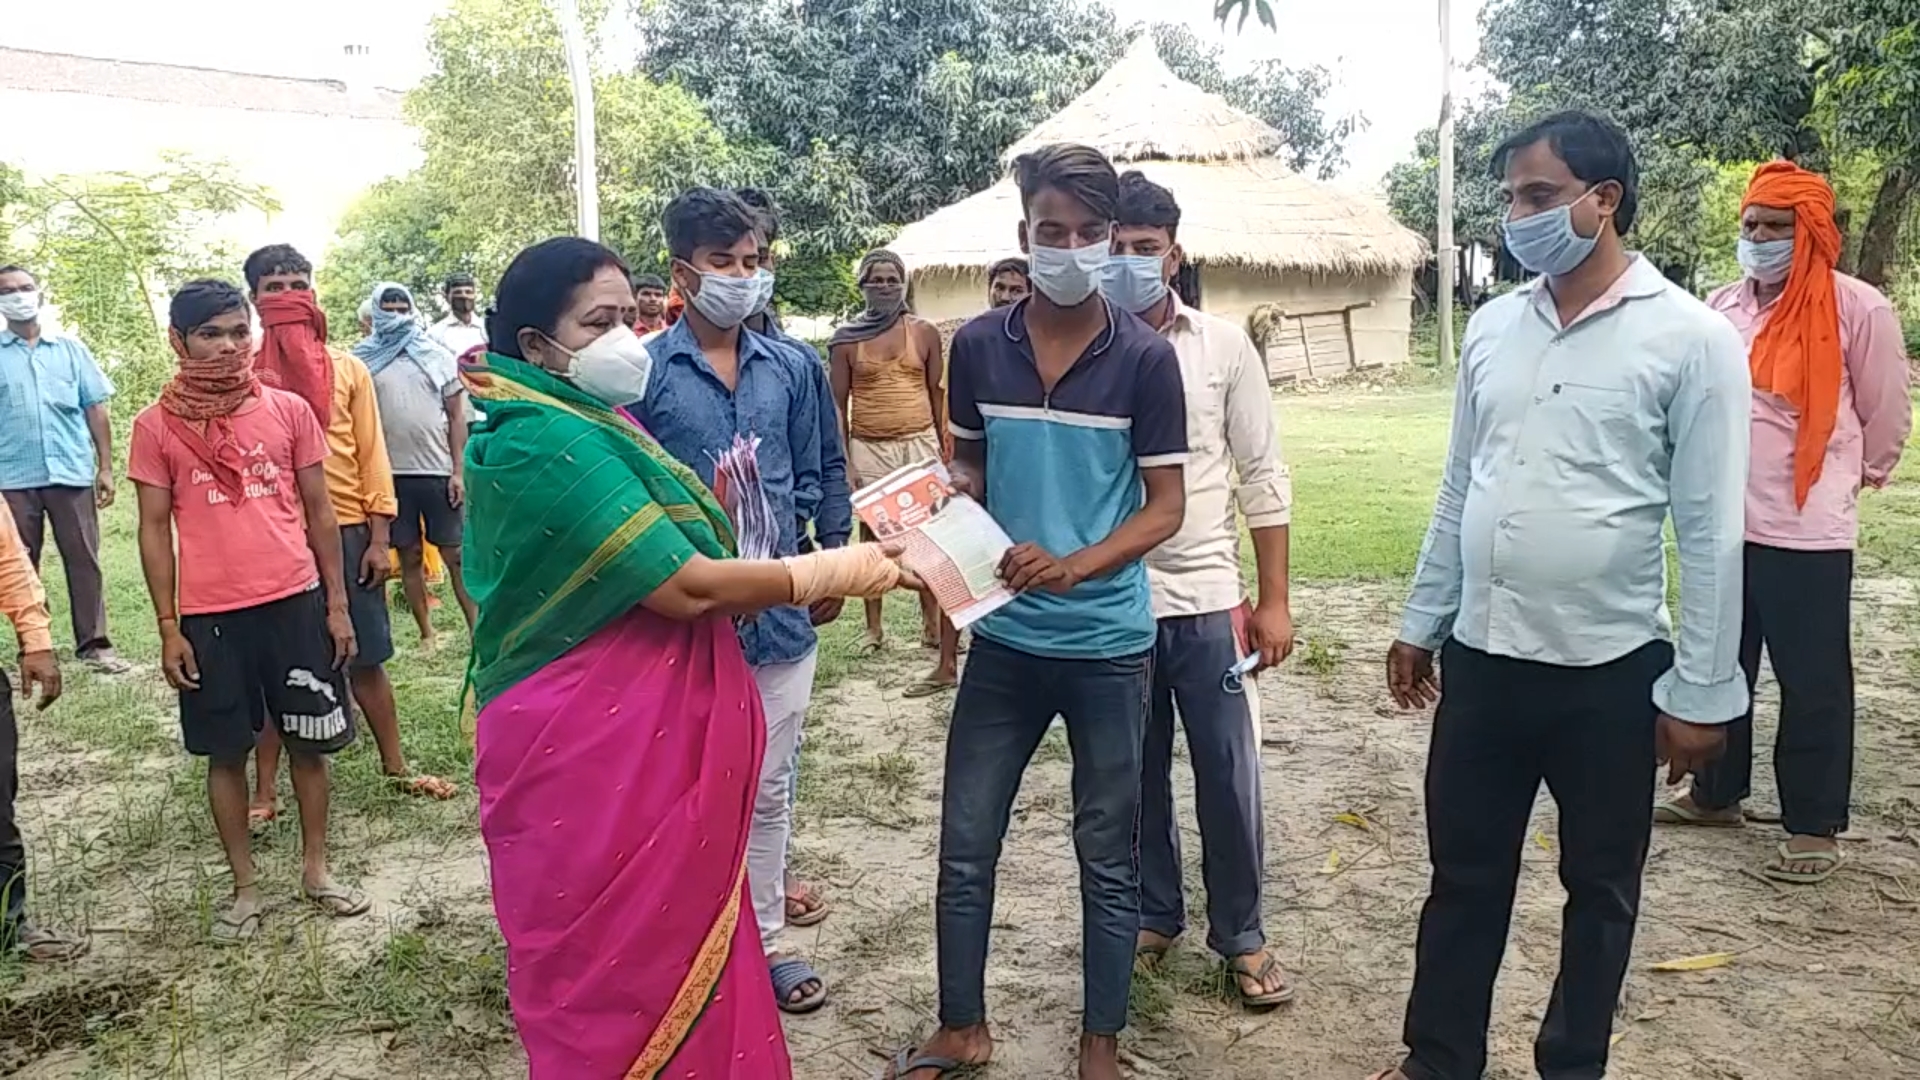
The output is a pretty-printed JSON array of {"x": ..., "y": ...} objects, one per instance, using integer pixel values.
[{"x": 791, "y": 975}]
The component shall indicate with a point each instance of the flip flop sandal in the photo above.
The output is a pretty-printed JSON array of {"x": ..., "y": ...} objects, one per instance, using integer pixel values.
[
  {"x": 906, "y": 1061},
  {"x": 1149, "y": 957},
  {"x": 339, "y": 901},
  {"x": 868, "y": 647},
  {"x": 46, "y": 947},
  {"x": 791, "y": 975},
  {"x": 1674, "y": 812},
  {"x": 260, "y": 820},
  {"x": 1829, "y": 861},
  {"x": 426, "y": 787},
  {"x": 1763, "y": 816},
  {"x": 926, "y": 688},
  {"x": 1238, "y": 969},
  {"x": 228, "y": 930},
  {"x": 808, "y": 915}
]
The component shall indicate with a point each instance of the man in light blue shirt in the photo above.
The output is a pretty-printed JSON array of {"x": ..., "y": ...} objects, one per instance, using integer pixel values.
[
  {"x": 1594, "y": 404},
  {"x": 56, "y": 454}
]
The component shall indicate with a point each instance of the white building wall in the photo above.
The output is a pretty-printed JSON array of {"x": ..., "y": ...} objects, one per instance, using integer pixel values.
[{"x": 314, "y": 166}]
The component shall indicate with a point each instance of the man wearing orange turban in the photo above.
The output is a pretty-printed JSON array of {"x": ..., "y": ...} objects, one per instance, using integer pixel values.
[{"x": 1830, "y": 415}]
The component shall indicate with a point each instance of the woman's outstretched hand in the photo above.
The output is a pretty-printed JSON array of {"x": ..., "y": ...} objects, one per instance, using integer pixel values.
[{"x": 857, "y": 570}]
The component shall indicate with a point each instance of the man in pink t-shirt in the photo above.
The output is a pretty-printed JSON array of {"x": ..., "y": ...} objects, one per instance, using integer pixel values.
[
  {"x": 1800, "y": 535},
  {"x": 253, "y": 616}
]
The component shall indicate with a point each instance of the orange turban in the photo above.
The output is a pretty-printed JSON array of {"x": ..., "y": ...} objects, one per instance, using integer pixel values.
[{"x": 1797, "y": 352}]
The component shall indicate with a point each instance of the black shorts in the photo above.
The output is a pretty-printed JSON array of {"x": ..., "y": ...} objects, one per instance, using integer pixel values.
[
  {"x": 372, "y": 626},
  {"x": 425, "y": 507},
  {"x": 272, "y": 660}
]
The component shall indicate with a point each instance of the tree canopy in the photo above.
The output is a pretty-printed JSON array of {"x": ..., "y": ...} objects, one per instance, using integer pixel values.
[
  {"x": 1706, "y": 88},
  {"x": 109, "y": 249}
]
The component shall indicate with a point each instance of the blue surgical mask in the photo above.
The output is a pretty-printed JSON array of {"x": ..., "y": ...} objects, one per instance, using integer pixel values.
[
  {"x": 728, "y": 301},
  {"x": 1135, "y": 282},
  {"x": 1068, "y": 276},
  {"x": 763, "y": 278},
  {"x": 1545, "y": 243},
  {"x": 1768, "y": 262}
]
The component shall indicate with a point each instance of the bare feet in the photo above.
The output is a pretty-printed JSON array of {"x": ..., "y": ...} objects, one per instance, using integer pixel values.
[
  {"x": 1099, "y": 1057},
  {"x": 962, "y": 1046}
]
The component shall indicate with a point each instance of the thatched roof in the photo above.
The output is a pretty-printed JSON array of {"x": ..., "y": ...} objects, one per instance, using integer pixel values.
[{"x": 1240, "y": 206}]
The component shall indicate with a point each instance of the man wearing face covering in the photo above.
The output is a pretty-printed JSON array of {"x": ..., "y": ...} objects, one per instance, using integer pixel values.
[
  {"x": 1233, "y": 471},
  {"x": 1069, "y": 428},
  {"x": 422, "y": 414},
  {"x": 885, "y": 369},
  {"x": 1594, "y": 404},
  {"x": 1830, "y": 416},
  {"x": 713, "y": 380}
]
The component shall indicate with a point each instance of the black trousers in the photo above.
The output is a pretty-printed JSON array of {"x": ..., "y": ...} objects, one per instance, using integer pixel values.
[
  {"x": 1799, "y": 606},
  {"x": 1503, "y": 727},
  {"x": 13, "y": 851}
]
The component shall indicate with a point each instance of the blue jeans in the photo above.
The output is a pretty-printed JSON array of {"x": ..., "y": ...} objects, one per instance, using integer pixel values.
[{"x": 1006, "y": 701}]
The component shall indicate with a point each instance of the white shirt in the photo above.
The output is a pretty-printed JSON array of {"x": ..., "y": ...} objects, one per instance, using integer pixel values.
[
  {"x": 1230, "y": 436},
  {"x": 457, "y": 337},
  {"x": 1570, "y": 448}
]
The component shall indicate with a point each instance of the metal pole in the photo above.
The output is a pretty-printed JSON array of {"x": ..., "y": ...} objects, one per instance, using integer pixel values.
[
  {"x": 580, "y": 72},
  {"x": 1445, "y": 254}
]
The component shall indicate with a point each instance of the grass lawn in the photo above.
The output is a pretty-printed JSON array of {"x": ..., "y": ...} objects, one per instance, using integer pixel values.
[{"x": 121, "y": 841}]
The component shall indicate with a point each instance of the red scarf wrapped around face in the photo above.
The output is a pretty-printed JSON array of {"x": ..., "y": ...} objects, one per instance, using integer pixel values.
[
  {"x": 293, "y": 350},
  {"x": 199, "y": 404}
]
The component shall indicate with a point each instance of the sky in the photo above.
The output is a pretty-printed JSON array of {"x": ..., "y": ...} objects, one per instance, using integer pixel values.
[{"x": 1385, "y": 54}]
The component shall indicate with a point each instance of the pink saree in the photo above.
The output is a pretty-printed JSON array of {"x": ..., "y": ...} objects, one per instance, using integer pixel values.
[{"x": 616, "y": 784}]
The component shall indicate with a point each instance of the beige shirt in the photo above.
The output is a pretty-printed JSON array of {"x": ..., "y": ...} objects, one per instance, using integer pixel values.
[{"x": 1233, "y": 461}]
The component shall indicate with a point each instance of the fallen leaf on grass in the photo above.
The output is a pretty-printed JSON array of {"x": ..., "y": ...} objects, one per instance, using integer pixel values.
[
  {"x": 1615, "y": 1041},
  {"x": 1695, "y": 963},
  {"x": 1348, "y": 817},
  {"x": 1333, "y": 862},
  {"x": 1540, "y": 838}
]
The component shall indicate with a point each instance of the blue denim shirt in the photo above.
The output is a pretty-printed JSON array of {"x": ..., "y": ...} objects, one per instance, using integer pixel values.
[
  {"x": 695, "y": 417},
  {"x": 833, "y": 519},
  {"x": 45, "y": 392}
]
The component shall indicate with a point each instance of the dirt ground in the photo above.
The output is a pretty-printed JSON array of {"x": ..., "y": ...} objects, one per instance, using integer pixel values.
[{"x": 1819, "y": 986}]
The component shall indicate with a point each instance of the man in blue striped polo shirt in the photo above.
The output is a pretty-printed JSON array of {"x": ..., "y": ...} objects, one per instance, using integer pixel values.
[{"x": 1070, "y": 425}]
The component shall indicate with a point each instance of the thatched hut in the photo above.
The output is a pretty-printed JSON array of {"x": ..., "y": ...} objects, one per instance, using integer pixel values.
[{"x": 1328, "y": 272}]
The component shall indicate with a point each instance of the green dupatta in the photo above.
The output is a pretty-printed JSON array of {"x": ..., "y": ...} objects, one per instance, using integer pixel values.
[{"x": 574, "y": 515}]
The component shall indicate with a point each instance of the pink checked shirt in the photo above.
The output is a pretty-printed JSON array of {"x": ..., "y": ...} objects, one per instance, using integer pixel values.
[{"x": 1868, "y": 435}]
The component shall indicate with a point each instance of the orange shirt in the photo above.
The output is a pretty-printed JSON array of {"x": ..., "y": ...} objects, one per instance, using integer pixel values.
[
  {"x": 359, "y": 476},
  {"x": 22, "y": 600},
  {"x": 888, "y": 398}
]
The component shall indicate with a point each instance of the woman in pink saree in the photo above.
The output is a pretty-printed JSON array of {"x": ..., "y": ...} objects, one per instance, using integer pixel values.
[{"x": 620, "y": 732}]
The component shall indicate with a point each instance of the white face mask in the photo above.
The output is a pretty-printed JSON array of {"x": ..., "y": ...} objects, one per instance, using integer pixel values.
[
  {"x": 23, "y": 306},
  {"x": 614, "y": 368},
  {"x": 1068, "y": 276}
]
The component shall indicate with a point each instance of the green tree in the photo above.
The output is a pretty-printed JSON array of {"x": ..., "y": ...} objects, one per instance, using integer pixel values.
[
  {"x": 496, "y": 120},
  {"x": 1288, "y": 99},
  {"x": 920, "y": 100},
  {"x": 110, "y": 247},
  {"x": 1873, "y": 80}
]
